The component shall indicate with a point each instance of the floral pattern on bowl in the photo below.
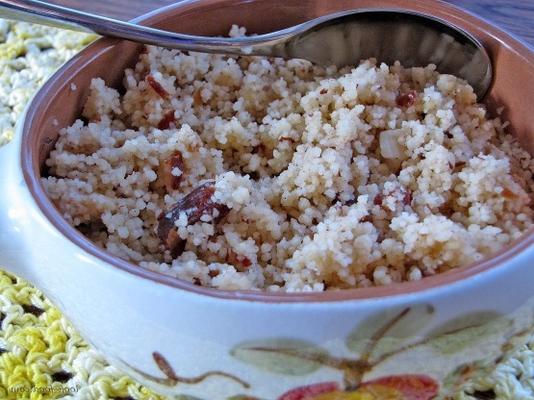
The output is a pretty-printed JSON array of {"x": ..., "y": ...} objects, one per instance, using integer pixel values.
[{"x": 375, "y": 340}]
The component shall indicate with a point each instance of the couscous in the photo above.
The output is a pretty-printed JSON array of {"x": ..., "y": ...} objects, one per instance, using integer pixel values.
[{"x": 256, "y": 173}]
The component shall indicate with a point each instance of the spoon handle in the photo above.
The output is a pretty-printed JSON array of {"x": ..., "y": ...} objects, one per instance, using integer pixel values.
[{"x": 43, "y": 13}]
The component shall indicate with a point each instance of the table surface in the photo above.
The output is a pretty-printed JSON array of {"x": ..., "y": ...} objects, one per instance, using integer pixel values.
[{"x": 515, "y": 16}]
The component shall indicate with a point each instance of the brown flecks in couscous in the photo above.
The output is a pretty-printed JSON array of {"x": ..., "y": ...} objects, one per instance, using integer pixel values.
[{"x": 317, "y": 177}]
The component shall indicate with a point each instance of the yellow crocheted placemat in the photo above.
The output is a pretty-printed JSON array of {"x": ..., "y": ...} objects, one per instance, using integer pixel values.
[{"x": 41, "y": 354}]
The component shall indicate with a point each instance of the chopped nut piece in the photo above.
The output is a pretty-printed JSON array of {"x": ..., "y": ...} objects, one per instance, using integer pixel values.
[
  {"x": 194, "y": 205},
  {"x": 156, "y": 86}
]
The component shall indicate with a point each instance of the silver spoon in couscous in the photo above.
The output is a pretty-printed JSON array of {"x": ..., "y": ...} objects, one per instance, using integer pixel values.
[{"x": 340, "y": 39}]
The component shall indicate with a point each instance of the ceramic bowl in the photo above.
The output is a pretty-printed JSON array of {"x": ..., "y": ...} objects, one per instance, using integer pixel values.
[{"x": 418, "y": 340}]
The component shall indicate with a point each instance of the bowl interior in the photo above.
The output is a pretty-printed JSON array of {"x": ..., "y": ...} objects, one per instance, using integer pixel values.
[{"x": 58, "y": 104}]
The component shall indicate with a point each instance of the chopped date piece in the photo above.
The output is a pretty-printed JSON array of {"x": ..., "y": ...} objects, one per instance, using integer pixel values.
[
  {"x": 213, "y": 273},
  {"x": 407, "y": 198},
  {"x": 254, "y": 175},
  {"x": 446, "y": 210},
  {"x": 167, "y": 120},
  {"x": 407, "y": 99},
  {"x": 367, "y": 218},
  {"x": 172, "y": 241},
  {"x": 196, "y": 204},
  {"x": 237, "y": 260},
  {"x": 458, "y": 166},
  {"x": 197, "y": 97},
  {"x": 231, "y": 257},
  {"x": 508, "y": 194},
  {"x": 378, "y": 199},
  {"x": 259, "y": 149},
  {"x": 172, "y": 182},
  {"x": 156, "y": 86}
]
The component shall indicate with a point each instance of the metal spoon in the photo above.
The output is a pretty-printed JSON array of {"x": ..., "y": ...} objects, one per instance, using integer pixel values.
[{"x": 342, "y": 38}]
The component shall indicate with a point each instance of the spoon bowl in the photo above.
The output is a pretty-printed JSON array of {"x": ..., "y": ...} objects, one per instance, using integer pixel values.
[
  {"x": 414, "y": 39},
  {"x": 340, "y": 39}
]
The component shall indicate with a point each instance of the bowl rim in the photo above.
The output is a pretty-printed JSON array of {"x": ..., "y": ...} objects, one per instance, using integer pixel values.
[{"x": 53, "y": 217}]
